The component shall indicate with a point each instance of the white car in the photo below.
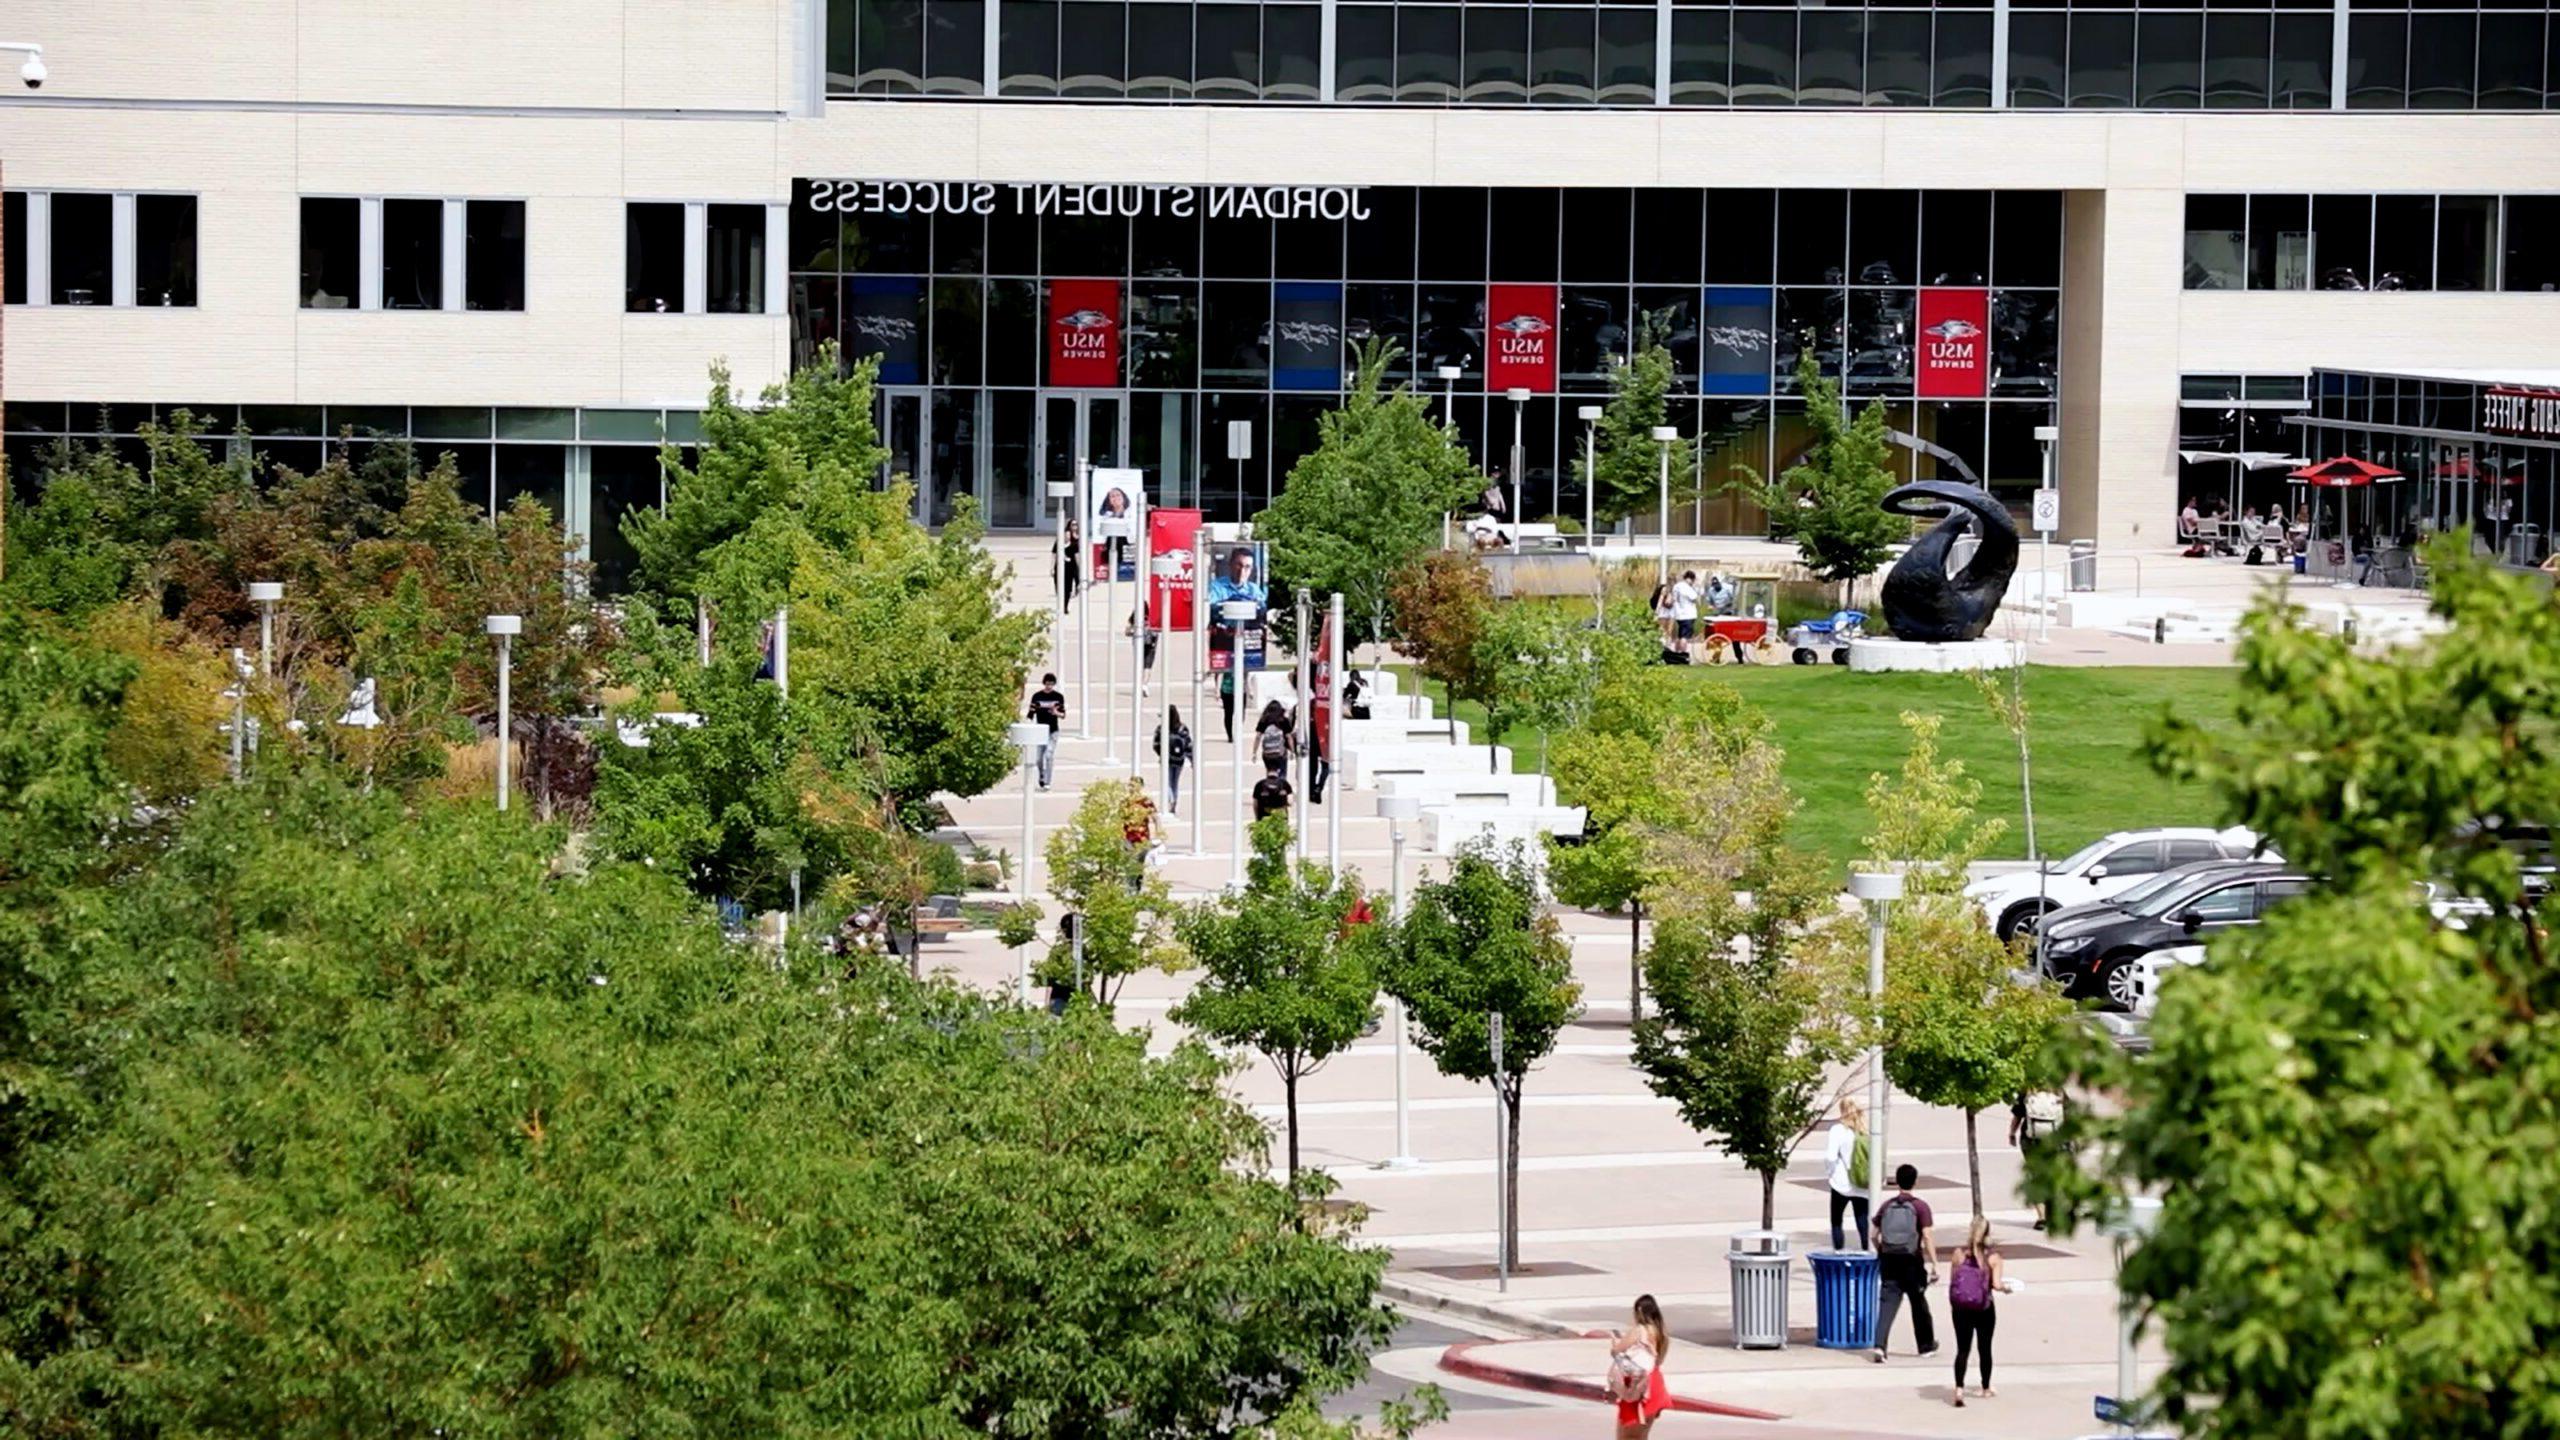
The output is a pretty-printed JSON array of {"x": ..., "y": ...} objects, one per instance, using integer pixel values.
[
  {"x": 2014, "y": 902},
  {"x": 2149, "y": 970}
]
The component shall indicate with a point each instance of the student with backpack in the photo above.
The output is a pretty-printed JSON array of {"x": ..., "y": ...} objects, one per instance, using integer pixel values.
[
  {"x": 1904, "y": 1257},
  {"x": 1173, "y": 743},
  {"x": 1846, "y": 1160},
  {"x": 1271, "y": 795},
  {"x": 1973, "y": 1283},
  {"x": 1272, "y": 733},
  {"x": 2033, "y": 1117},
  {"x": 1635, "y": 1371}
]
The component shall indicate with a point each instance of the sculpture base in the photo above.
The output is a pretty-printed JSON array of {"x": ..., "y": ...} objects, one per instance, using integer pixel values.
[{"x": 1878, "y": 653}]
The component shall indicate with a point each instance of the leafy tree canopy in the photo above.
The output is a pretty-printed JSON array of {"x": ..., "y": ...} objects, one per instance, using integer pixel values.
[
  {"x": 1629, "y": 458},
  {"x": 394, "y": 1121},
  {"x": 1098, "y": 872},
  {"x": 1830, "y": 500},
  {"x": 1368, "y": 500}
]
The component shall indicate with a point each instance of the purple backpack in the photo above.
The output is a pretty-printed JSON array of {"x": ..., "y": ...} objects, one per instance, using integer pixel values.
[{"x": 1969, "y": 1288}]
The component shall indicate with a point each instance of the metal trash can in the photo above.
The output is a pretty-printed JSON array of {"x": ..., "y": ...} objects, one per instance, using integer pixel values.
[
  {"x": 1844, "y": 1299},
  {"x": 1759, "y": 1261},
  {"x": 2524, "y": 546},
  {"x": 2081, "y": 572}
]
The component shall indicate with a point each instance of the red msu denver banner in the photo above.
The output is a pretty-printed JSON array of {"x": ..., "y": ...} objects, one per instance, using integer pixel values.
[
  {"x": 1952, "y": 356},
  {"x": 1084, "y": 333},
  {"x": 1520, "y": 338}
]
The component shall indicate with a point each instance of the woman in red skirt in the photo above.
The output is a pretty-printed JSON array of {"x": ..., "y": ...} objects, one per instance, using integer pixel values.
[{"x": 1644, "y": 1343}]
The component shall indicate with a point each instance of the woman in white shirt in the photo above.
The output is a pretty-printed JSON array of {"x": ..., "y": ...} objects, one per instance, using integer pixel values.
[{"x": 1846, "y": 1159}]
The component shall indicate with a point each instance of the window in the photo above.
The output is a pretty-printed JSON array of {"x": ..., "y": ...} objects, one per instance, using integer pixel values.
[
  {"x": 2342, "y": 241},
  {"x": 164, "y": 250},
  {"x": 83, "y": 249},
  {"x": 2188, "y": 852},
  {"x": 2229, "y": 905},
  {"x": 2168, "y": 64},
  {"x": 1963, "y": 75},
  {"x": 2237, "y": 61},
  {"x": 2466, "y": 242},
  {"x": 2216, "y": 226},
  {"x": 329, "y": 254},
  {"x": 653, "y": 259},
  {"x": 2533, "y": 243},
  {"x": 413, "y": 254},
  {"x": 13, "y": 245},
  {"x": 2279, "y": 242},
  {"x": 2404, "y": 242},
  {"x": 2302, "y": 61},
  {"x": 1364, "y": 64},
  {"x": 2142, "y": 857},
  {"x": 734, "y": 260},
  {"x": 493, "y": 255}
]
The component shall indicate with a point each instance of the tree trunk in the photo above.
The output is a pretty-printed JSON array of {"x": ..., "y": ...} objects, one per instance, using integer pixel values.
[
  {"x": 1635, "y": 961},
  {"x": 1973, "y": 1158},
  {"x": 1511, "y": 1182},
  {"x": 1289, "y": 1087},
  {"x": 1768, "y": 1199}
]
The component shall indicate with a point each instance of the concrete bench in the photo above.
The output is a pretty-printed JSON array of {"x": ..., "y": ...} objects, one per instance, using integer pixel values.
[
  {"x": 1449, "y": 788},
  {"x": 1370, "y": 762},
  {"x": 1451, "y": 828},
  {"x": 1401, "y": 732}
]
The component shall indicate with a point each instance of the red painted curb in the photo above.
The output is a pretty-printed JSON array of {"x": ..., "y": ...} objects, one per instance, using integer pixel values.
[{"x": 1460, "y": 1360}]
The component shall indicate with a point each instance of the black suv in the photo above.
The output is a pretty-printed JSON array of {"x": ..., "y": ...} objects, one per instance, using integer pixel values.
[{"x": 2090, "y": 949}]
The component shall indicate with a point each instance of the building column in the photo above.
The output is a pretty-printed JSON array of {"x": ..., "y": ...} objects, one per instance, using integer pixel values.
[{"x": 2119, "y": 413}]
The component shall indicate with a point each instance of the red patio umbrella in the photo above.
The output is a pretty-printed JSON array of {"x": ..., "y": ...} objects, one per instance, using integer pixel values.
[{"x": 2341, "y": 471}]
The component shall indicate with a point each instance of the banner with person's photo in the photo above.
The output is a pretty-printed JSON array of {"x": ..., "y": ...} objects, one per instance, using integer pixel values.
[
  {"x": 1237, "y": 571},
  {"x": 1114, "y": 499}
]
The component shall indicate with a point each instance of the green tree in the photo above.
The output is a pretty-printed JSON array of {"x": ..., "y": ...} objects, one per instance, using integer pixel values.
[
  {"x": 1099, "y": 874},
  {"x": 1545, "y": 668},
  {"x": 1743, "y": 1031},
  {"x": 1629, "y": 458},
  {"x": 1478, "y": 944},
  {"x": 1283, "y": 970},
  {"x": 365, "y": 1152},
  {"x": 1830, "y": 501},
  {"x": 1368, "y": 500},
  {"x": 1443, "y": 604},
  {"x": 1955, "y": 1031},
  {"x": 2346, "y": 1112}
]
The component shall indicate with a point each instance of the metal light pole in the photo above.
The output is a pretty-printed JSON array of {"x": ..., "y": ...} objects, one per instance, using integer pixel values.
[
  {"x": 2141, "y": 1215},
  {"x": 1167, "y": 570},
  {"x": 1199, "y": 668},
  {"x": 1027, "y": 737},
  {"x": 1236, "y": 613},
  {"x": 1333, "y": 736},
  {"x": 2045, "y": 436},
  {"x": 1395, "y": 810},
  {"x": 1449, "y": 393},
  {"x": 504, "y": 629},
  {"x": 1878, "y": 889},
  {"x": 782, "y": 651},
  {"x": 1110, "y": 654},
  {"x": 1590, "y": 417},
  {"x": 264, "y": 594},
  {"x": 1298, "y": 678},
  {"x": 1138, "y": 631},
  {"x": 1518, "y": 395},
  {"x": 239, "y": 712},
  {"x": 1059, "y": 490},
  {"x": 1663, "y": 435},
  {"x": 1501, "y": 1150},
  {"x": 1084, "y": 611}
]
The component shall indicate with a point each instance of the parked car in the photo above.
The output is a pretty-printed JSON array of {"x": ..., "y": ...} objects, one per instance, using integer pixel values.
[
  {"x": 2149, "y": 970},
  {"x": 2014, "y": 902},
  {"x": 2092, "y": 954}
]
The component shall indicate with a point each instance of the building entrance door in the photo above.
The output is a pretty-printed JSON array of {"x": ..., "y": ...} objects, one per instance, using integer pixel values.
[
  {"x": 906, "y": 421},
  {"x": 1091, "y": 425}
]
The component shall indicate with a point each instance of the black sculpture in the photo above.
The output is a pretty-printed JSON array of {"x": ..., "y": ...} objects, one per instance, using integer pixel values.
[{"x": 1921, "y": 600}]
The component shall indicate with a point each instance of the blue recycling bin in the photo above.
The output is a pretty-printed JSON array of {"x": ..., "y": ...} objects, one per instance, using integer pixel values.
[{"x": 1844, "y": 1299}]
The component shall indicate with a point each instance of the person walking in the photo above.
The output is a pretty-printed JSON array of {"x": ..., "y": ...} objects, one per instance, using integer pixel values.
[
  {"x": 1319, "y": 764},
  {"x": 1227, "y": 701},
  {"x": 1847, "y": 1159},
  {"x": 1173, "y": 743},
  {"x": 1905, "y": 1264},
  {"x": 1070, "y": 565},
  {"x": 1684, "y": 610},
  {"x": 1049, "y": 707},
  {"x": 2033, "y": 1117},
  {"x": 1272, "y": 733},
  {"x": 1974, "y": 1281},
  {"x": 1637, "y": 1352},
  {"x": 1271, "y": 795}
]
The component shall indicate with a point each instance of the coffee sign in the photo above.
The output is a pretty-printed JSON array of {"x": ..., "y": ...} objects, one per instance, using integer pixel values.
[{"x": 2533, "y": 414}]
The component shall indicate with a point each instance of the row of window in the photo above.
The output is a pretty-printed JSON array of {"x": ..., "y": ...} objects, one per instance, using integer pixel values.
[
  {"x": 77, "y": 247},
  {"x": 2373, "y": 242},
  {"x": 2258, "y": 57},
  {"x": 406, "y": 253},
  {"x": 1679, "y": 236}
]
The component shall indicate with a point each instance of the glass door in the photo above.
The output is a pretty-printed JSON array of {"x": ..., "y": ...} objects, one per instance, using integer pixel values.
[
  {"x": 904, "y": 417},
  {"x": 1091, "y": 425}
]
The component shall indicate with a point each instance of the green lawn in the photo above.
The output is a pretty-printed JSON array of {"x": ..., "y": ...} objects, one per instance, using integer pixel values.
[{"x": 1839, "y": 728}]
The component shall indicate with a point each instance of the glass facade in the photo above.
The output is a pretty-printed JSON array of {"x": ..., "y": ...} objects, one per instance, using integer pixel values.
[
  {"x": 2249, "y": 55},
  {"x": 2373, "y": 242},
  {"x": 2471, "y": 452},
  {"x": 1230, "y": 304}
]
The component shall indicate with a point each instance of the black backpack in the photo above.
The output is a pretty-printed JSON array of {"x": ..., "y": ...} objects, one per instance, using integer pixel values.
[{"x": 1898, "y": 1227}]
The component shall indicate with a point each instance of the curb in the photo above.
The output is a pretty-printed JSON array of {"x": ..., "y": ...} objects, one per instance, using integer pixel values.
[
  {"x": 1460, "y": 1360},
  {"x": 1413, "y": 1297}
]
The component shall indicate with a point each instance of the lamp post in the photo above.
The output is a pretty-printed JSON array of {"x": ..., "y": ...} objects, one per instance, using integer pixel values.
[
  {"x": 1167, "y": 570},
  {"x": 1663, "y": 435},
  {"x": 2129, "y": 1227},
  {"x": 504, "y": 629},
  {"x": 1060, "y": 491},
  {"x": 1237, "y": 614},
  {"x": 1589, "y": 415},
  {"x": 265, "y": 594},
  {"x": 1449, "y": 393},
  {"x": 1395, "y": 810},
  {"x": 1878, "y": 889},
  {"x": 1027, "y": 737},
  {"x": 2045, "y": 436},
  {"x": 1518, "y": 395},
  {"x": 239, "y": 712}
]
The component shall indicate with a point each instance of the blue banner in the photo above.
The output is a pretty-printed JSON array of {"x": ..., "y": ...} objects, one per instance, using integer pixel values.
[
  {"x": 1306, "y": 336},
  {"x": 1734, "y": 340},
  {"x": 884, "y": 316}
]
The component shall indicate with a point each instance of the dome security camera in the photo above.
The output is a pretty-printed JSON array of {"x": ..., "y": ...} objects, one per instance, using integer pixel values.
[{"x": 33, "y": 72}]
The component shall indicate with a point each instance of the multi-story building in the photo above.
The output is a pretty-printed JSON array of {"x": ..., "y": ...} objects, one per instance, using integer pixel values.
[{"x": 1150, "y": 231}]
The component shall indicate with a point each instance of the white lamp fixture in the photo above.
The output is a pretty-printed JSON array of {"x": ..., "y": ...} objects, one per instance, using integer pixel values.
[
  {"x": 265, "y": 594},
  {"x": 504, "y": 628},
  {"x": 1449, "y": 373},
  {"x": 1876, "y": 884},
  {"x": 1395, "y": 810}
]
